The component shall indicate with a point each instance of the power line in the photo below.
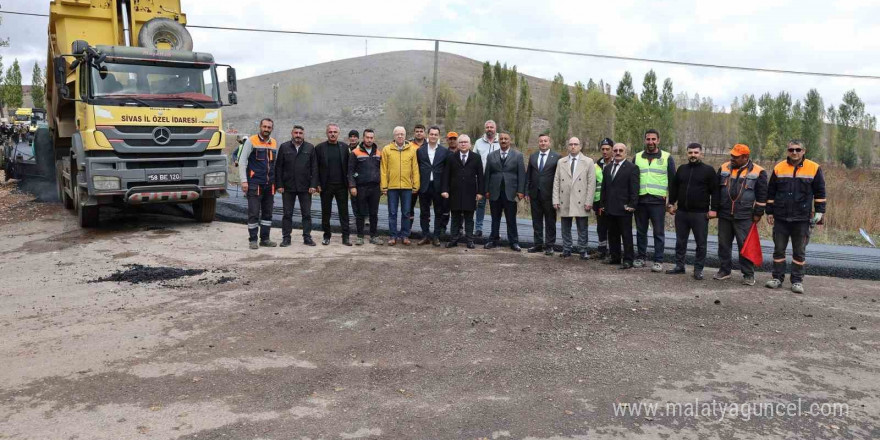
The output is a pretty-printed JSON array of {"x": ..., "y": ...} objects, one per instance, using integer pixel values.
[{"x": 523, "y": 48}]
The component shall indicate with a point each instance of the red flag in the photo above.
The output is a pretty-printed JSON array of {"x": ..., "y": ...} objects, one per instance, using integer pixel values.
[{"x": 751, "y": 249}]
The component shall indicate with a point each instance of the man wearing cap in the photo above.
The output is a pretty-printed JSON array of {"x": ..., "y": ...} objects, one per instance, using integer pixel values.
[
  {"x": 690, "y": 200},
  {"x": 539, "y": 187},
  {"x": 795, "y": 191},
  {"x": 742, "y": 197},
  {"x": 353, "y": 140},
  {"x": 483, "y": 146},
  {"x": 452, "y": 141},
  {"x": 605, "y": 146},
  {"x": 656, "y": 169},
  {"x": 432, "y": 170}
]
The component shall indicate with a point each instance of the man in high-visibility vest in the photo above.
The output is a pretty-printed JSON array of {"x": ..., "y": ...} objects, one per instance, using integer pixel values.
[
  {"x": 656, "y": 170},
  {"x": 795, "y": 191},
  {"x": 257, "y": 173}
]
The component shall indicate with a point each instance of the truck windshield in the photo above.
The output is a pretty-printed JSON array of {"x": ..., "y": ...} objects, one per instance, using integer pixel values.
[{"x": 193, "y": 83}]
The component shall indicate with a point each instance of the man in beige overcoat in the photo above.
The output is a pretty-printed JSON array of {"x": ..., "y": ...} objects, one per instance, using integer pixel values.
[{"x": 573, "y": 189}]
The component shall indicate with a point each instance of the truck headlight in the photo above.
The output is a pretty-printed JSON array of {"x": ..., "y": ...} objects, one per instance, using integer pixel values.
[
  {"x": 215, "y": 179},
  {"x": 105, "y": 183}
]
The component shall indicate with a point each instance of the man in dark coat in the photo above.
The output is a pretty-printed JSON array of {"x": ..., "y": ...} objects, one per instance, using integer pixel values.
[
  {"x": 505, "y": 184},
  {"x": 539, "y": 184},
  {"x": 432, "y": 170},
  {"x": 296, "y": 178},
  {"x": 620, "y": 195},
  {"x": 333, "y": 178},
  {"x": 464, "y": 187}
]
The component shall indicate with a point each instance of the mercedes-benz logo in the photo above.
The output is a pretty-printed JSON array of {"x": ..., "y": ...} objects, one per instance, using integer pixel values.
[{"x": 162, "y": 135}]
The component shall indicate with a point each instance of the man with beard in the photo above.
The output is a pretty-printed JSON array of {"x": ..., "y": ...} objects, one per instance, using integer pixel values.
[
  {"x": 364, "y": 178},
  {"x": 539, "y": 183},
  {"x": 296, "y": 178},
  {"x": 257, "y": 174},
  {"x": 354, "y": 139},
  {"x": 505, "y": 186},
  {"x": 432, "y": 170},
  {"x": 620, "y": 194},
  {"x": 691, "y": 201},
  {"x": 333, "y": 177},
  {"x": 419, "y": 140},
  {"x": 485, "y": 145},
  {"x": 656, "y": 169},
  {"x": 463, "y": 187}
]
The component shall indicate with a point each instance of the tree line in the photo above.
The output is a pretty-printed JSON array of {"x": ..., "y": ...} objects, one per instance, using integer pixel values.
[{"x": 12, "y": 91}]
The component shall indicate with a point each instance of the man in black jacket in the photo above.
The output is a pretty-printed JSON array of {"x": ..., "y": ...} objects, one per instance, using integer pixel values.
[
  {"x": 432, "y": 171},
  {"x": 364, "y": 178},
  {"x": 333, "y": 178},
  {"x": 620, "y": 194},
  {"x": 605, "y": 146},
  {"x": 539, "y": 184},
  {"x": 464, "y": 187},
  {"x": 692, "y": 189},
  {"x": 296, "y": 178}
]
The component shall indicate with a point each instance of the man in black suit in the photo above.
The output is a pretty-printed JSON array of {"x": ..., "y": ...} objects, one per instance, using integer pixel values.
[
  {"x": 464, "y": 187},
  {"x": 620, "y": 194},
  {"x": 539, "y": 182},
  {"x": 432, "y": 171},
  {"x": 505, "y": 185},
  {"x": 296, "y": 178},
  {"x": 333, "y": 178}
]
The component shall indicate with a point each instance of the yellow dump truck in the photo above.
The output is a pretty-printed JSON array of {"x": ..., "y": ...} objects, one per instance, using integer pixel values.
[{"x": 134, "y": 114}]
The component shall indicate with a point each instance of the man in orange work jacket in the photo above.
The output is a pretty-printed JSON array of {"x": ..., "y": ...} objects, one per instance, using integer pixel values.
[{"x": 257, "y": 173}]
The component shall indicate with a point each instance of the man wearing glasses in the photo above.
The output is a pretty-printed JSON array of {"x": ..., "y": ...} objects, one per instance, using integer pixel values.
[
  {"x": 795, "y": 191},
  {"x": 620, "y": 194}
]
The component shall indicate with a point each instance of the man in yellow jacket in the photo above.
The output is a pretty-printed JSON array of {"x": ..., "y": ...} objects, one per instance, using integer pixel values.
[{"x": 399, "y": 181}]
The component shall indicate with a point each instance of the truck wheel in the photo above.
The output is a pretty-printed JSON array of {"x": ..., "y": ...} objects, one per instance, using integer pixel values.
[
  {"x": 88, "y": 215},
  {"x": 59, "y": 183},
  {"x": 164, "y": 30},
  {"x": 204, "y": 209}
]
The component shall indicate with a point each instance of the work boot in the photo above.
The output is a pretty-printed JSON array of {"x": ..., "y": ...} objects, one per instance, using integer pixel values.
[
  {"x": 254, "y": 245},
  {"x": 359, "y": 241},
  {"x": 773, "y": 283},
  {"x": 797, "y": 288},
  {"x": 308, "y": 241},
  {"x": 285, "y": 242},
  {"x": 268, "y": 243},
  {"x": 638, "y": 263},
  {"x": 749, "y": 280}
]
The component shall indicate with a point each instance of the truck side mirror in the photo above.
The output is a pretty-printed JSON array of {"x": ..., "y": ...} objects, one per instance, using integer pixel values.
[
  {"x": 230, "y": 79},
  {"x": 233, "y": 98},
  {"x": 60, "y": 70}
]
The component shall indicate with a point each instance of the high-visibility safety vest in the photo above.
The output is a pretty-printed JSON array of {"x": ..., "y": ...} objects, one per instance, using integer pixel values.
[
  {"x": 737, "y": 189},
  {"x": 653, "y": 175},
  {"x": 261, "y": 162},
  {"x": 599, "y": 178}
]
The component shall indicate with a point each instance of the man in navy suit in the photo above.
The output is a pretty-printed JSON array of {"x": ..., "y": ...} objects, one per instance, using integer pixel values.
[
  {"x": 505, "y": 184},
  {"x": 539, "y": 184},
  {"x": 432, "y": 170}
]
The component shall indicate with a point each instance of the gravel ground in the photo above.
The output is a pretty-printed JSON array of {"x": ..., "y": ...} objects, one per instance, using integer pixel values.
[{"x": 407, "y": 342}]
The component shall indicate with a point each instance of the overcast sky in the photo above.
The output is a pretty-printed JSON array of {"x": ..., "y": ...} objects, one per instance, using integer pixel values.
[{"x": 810, "y": 35}]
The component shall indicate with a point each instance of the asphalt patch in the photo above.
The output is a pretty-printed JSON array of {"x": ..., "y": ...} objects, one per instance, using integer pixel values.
[{"x": 138, "y": 273}]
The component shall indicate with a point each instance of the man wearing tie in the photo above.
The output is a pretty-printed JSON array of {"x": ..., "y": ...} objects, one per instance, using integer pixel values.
[
  {"x": 464, "y": 187},
  {"x": 573, "y": 189},
  {"x": 505, "y": 184},
  {"x": 620, "y": 194},
  {"x": 539, "y": 182},
  {"x": 432, "y": 165}
]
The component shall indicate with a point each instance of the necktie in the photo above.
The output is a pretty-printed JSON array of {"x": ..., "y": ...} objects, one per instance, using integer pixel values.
[
  {"x": 503, "y": 156},
  {"x": 463, "y": 158},
  {"x": 541, "y": 162},
  {"x": 614, "y": 170},
  {"x": 573, "y": 164}
]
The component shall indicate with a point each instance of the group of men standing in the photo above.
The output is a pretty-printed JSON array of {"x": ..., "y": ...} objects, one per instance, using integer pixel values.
[{"x": 457, "y": 180}]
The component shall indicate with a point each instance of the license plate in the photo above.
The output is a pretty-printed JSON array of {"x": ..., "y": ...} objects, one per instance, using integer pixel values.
[{"x": 163, "y": 177}]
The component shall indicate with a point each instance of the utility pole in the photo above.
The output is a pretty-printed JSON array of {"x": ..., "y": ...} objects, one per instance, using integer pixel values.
[{"x": 434, "y": 87}]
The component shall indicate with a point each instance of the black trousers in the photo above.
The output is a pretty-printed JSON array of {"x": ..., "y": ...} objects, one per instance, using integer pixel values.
[
  {"x": 367, "y": 205},
  {"x": 799, "y": 234},
  {"x": 620, "y": 226},
  {"x": 340, "y": 193},
  {"x": 543, "y": 222},
  {"x": 505, "y": 207},
  {"x": 305, "y": 209},
  {"x": 728, "y": 229},
  {"x": 685, "y": 222},
  {"x": 468, "y": 218},
  {"x": 602, "y": 230},
  {"x": 441, "y": 211},
  {"x": 261, "y": 200}
]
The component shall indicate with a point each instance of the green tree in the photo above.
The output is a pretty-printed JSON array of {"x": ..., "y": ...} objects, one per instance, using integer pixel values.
[
  {"x": 451, "y": 116},
  {"x": 405, "y": 107},
  {"x": 508, "y": 97},
  {"x": 38, "y": 87},
  {"x": 811, "y": 125},
  {"x": 522, "y": 128},
  {"x": 766, "y": 105},
  {"x": 553, "y": 97},
  {"x": 599, "y": 115},
  {"x": 866, "y": 140},
  {"x": 485, "y": 103},
  {"x": 666, "y": 123},
  {"x": 563, "y": 114},
  {"x": 850, "y": 114},
  {"x": 2, "y": 80},
  {"x": 591, "y": 85},
  {"x": 579, "y": 111},
  {"x": 748, "y": 123},
  {"x": 627, "y": 128},
  {"x": 650, "y": 100},
  {"x": 782, "y": 115},
  {"x": 12, "y": 91},
  {"x": 831, "y": 114},
  {"x": 772, "y": 149}
]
